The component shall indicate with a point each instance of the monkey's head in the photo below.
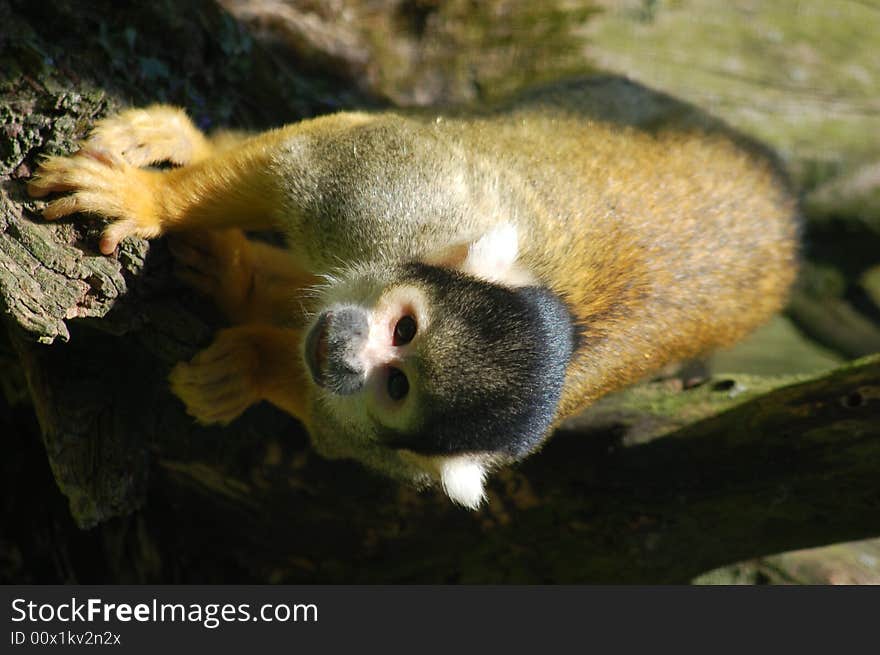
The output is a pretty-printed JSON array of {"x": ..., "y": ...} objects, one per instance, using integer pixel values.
[{"x": 435, "y": 372}]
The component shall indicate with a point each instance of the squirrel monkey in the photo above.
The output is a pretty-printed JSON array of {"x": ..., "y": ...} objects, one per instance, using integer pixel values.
[{"x": 454, "y": 286}]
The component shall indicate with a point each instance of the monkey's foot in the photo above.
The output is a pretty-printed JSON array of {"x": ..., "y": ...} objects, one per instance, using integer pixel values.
[
  {"x": 148, "y": 136},
  {"x": 223, "y": 380},
  {"x": 218, "y": 264},
  {"x": 104, "y": 184}
]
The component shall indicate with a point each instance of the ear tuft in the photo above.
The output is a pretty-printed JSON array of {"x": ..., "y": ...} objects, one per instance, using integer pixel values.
[
  {"x": 493, "y": 256},
  {"x": 462, "y": 479}
]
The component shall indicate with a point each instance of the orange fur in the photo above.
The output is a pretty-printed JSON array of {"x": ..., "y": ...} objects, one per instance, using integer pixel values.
[{"x": 665, "y": 242}]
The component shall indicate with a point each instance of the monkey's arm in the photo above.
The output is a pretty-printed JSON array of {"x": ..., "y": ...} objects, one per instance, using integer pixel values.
[
  {"x": 233, "y": 187},
  {"x": 250, "y": 281}
]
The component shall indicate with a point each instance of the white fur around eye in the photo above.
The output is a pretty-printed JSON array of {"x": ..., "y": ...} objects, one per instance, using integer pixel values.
[{"x": 462, "y": 479}]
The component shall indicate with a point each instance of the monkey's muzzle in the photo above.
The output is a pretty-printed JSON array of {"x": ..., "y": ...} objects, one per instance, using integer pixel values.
[{"x": 333, "y": 348}]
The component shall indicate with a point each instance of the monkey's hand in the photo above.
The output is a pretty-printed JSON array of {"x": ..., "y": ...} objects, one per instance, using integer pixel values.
[
  {"x": 223, "y": 380},
  {"x": 151, "y": 135},
  {"x": 102, "y": 183},
  {"x": 243, "y": 366}
]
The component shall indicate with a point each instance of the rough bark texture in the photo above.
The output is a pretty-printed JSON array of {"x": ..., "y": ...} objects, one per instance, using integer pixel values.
[
  {"x": 657, "y": 484},
  {"x": 86, "y": 395}
]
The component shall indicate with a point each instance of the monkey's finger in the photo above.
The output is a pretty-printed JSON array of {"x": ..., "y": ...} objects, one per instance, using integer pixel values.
[
  {"x": 85, "y": 170},
  {"x": 49, "y": 178},
  {"x": 215, "y": 407},
  {"x": 216, "y": 354},
  {"x": 102, "y": 156},
  {"x": 80, "y": 202},
  {"x": 133, "y": 147},
  {"x": 61, "y": 208},
  {"x": 217, "y": 414},
  {"x": 39, "y": 187},
  {"x": 219, "y": 402},
  {"x": 210, "y": 379},
  {"x": 178, "y": 378},
  {"x": 185, "y": 383},
  {"x": 160, "y": 147},
  {"x": 48, "y": 181},
  {"x": 154, "y": 150},
  {"x": 116, "y": 232},
  {"x": 215, "y": 376}
]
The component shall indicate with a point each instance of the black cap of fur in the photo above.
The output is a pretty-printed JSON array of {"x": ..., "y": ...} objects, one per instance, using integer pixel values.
[{"x": 495, "y": 365}]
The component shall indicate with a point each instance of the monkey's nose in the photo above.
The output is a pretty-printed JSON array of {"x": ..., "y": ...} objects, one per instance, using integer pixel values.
[
  {"x": 349, "y": 323},
  {"x": 348, "y": 329}
]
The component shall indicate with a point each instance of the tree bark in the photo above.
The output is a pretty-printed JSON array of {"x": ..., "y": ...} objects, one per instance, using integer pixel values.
[{"x": 653, "y": 485}]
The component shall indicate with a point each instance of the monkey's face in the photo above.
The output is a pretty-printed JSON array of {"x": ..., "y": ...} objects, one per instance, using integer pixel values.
[
  {"x": 431, "y": 373},
  {"x": 365, "y": 350}
]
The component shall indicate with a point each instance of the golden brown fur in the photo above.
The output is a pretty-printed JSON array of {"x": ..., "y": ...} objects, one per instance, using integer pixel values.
[
  {"x": 666, "y": 244},
  {"x": 666, "y": 234}
]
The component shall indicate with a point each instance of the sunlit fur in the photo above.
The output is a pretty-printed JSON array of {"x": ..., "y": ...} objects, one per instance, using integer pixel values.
[{"x": 570, "y": 241}]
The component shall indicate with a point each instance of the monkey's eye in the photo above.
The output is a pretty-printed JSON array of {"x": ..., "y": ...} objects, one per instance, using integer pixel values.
[
  {"x": 398, "y": 385},
  {"x": 404, "y": 331}
]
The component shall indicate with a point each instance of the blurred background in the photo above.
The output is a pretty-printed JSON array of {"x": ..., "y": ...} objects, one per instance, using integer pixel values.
[{"x": 801, "y": 75}]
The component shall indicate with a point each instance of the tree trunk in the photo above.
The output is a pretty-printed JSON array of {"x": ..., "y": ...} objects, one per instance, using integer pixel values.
[{"x": 653, "y": 485}]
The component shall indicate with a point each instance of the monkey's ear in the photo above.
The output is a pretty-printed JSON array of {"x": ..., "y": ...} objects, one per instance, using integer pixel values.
[
  {"x": 492, "y": 257},
  {"x": 462, "y": 478}
]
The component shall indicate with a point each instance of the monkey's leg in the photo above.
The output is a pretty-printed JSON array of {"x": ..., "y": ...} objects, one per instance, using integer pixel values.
[
  {"x": 251, "y": 282},
  {"x": 244, "y": 365}
]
